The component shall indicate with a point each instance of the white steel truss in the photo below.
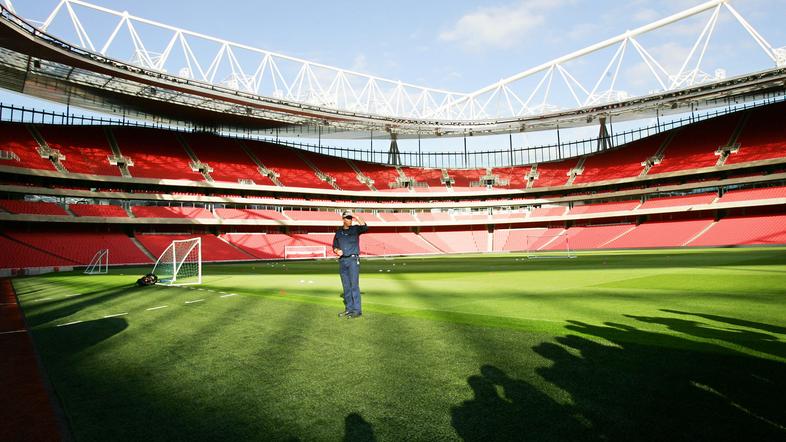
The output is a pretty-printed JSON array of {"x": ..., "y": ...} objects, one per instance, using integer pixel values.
[{"x": 542, "y": 89}]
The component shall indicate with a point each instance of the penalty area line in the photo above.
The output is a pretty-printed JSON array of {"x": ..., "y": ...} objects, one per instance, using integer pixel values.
[
  {"x": 156, "y": 308},
  {"x": 68, "y": 323},
  {"x": 228, "y": 295},
  {"x": 13, "y": 331},
  {"x": 194, "y": 301}
]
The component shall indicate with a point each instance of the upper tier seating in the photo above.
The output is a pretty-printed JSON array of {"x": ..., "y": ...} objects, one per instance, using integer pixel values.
[
  {"x": 32, "y": 207},
  {"x": 676, "y": 201},
  {"x": 554, "y": 173},
  {"x": 15, "y": 138},
  {"x": 292, "y": 170},
  {"x": 155, "y": 154},
  {"x": 432, "y": 177},
  {"x": 86, "y": 149},
  {"x": 338, "y": 168},
  {"x": 102, "y": 210},
  {"x": 693, "y": 147},
  {"x": 230, "y": 163},
  {"x": 463, "y": 178},
  {"x": 763, "y": 137},
  {"x": 213, "y": 248},
  {"x": 170, "y": 212},
  {"x": 624, "y": 162},
  {"x": 383, "y": 176},
  {"x": 514, "y": 176},
  {"x": 766, "y": 229}
]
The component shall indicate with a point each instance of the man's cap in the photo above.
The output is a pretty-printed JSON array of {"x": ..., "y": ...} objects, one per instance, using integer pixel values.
[{"x": 347, "y": 214}]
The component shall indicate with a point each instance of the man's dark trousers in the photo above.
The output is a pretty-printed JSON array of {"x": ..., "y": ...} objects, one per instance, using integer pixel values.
[{"x": 349, "y": 269}]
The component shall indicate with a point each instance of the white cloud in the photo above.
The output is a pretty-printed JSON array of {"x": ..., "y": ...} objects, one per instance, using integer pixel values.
[{"x": 499, "y": 27}]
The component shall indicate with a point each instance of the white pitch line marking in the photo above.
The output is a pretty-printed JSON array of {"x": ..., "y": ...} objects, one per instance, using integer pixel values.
[
  {"x": 68, "y": 323},
  {"x": 12, "y": 331},
  {"x": 228, "y": 295},
  {"x": 156, "y": 308},
  {"x": 196, "y": 300},
  {"x": 43, "y": 299},
  {"x": 116, "y": 314}
]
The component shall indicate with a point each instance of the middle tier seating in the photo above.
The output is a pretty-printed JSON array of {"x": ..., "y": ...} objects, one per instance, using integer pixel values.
[
  {"x": 32, "y": 207},
  {"x": 170, "y": 212},
  {"x": 102, "y": 210},
  {"x": 617, "y": 206}
]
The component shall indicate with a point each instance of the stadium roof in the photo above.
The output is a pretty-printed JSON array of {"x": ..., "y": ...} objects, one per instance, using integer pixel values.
[{"x": 36, "y": 63}]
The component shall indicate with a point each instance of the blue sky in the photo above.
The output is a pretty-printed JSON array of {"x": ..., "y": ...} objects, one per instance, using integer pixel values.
[{"x": 457, "y": 45}]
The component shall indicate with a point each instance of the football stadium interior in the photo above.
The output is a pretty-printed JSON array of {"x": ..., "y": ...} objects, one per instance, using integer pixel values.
[{"x": 667, "y": 324}]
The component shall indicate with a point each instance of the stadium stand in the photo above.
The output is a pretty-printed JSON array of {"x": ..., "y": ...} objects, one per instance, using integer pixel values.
[
  {"x": 230, "y": 163},
  {"x": 100, "y": 210},
  {"x": 86, "y": 149},
  {"x": 260, "y": 245},
  {"x": 457, "y": 241},
  {"x": 464, "y": 178},
  {"x": 155, "y": 154},
  {"x": 619, "y": 163},
  {"x": 32, "y": 207},
  {"x": 554, "y": 173},
  {"x": 78, "y": 247},
  {"x": 515, "y": 176},
  {"x": 694, "y": 146},
  {"x": 17, "y": 255},
  {"x": 434, "y": 216},
  {"x": 549, "y": 211},
  {"x": 17, "y": 140},
  {"x": 593, "y": 237},
  {"x": 395, "y": 243},
  {"x": 677, "y": 201},
  {"x": 170, "y": 212},
  {"x": 397, "y": 217},
  {"x": 753, "y": 194},
  {"x": 292, "y": 170},
  {"x": 660, "y": 234},
  {"x": 338, "y": 169},
  {"x": 617, "y": 206},
  {"x": 431, "y": 177},
  {"x": 314, "y": 215},
  {"x": 250, "y": 214},
  {"x": 213, "y": 248},
  {"x": 764, "y": 136},
  {"x": 751, "y": 230},
  {"x": 381, "y": 175}
]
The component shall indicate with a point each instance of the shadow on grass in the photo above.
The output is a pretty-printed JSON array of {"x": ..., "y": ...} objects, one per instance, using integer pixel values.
[
  {"x": 630, "y": 384},
  {"x": 356, "y": 429}
]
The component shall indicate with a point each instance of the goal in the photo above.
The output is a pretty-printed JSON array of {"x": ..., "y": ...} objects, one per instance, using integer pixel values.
[
  {"x": 549, "y": 246},
  {"x": 305, "y": 252},
  {"x": 180, "y": 263},
  {"x": 99, "y": 265}
]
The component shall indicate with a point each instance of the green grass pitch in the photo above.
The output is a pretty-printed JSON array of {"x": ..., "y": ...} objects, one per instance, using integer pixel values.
[{"x": 655, "y": 345}]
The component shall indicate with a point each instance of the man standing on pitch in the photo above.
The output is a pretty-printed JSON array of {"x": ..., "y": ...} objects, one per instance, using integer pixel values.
[{"x": 346, "y": 245}]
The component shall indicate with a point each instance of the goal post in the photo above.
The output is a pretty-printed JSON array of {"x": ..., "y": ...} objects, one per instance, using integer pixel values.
[
  {"x": 180, "y": 263},
  {"x": 305, "y": 252},
  {"x": 549, "y": 246},
  {"x": 99, "y": 265}
]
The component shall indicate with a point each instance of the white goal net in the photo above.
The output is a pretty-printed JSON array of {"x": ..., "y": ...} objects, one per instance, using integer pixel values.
[
  {"x": 549, "y": 246},
  {"x": 305, "y": 252},
  {"x": 181, "y": 263},
  {"x": 99, "y": 265}
]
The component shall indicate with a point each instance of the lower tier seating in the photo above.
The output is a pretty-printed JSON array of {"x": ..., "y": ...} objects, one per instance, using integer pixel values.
[{"x": 64, "y": 248}]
